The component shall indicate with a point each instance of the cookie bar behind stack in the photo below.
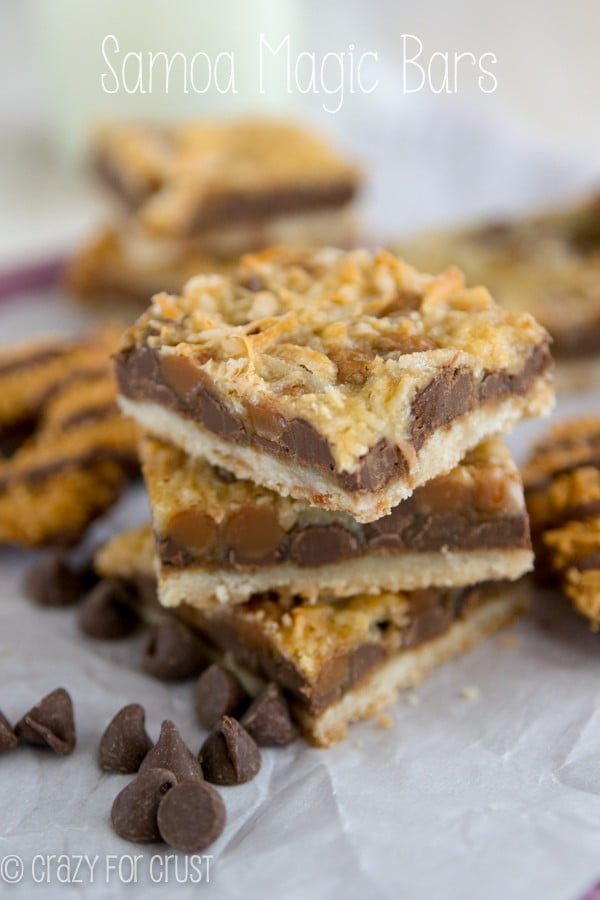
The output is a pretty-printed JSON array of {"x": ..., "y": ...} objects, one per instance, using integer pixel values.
[
  {"x": 337, "y": 662},
  {"x": 548, "y": 264},
  {"x": 191, "y": 198},
  {"x": 562, "y": 481},
  {"x": 345, "y": 380},
  {"x": 219, "y": 540}
]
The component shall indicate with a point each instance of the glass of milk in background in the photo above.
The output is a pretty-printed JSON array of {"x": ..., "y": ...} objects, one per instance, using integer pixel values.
[{"x": 200, "y": 42}]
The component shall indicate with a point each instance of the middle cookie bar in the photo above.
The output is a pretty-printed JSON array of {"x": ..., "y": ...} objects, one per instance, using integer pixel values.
[{"x": 220, "y": 540}]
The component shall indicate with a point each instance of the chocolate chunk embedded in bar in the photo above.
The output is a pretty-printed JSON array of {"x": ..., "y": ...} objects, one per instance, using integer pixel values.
[
  {"x": 220, "y": 539},
  {"x": 249, "y": 380}
]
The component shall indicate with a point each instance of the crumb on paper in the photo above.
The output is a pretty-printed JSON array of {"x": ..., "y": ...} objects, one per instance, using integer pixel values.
[
  {"x": 385, "y": 721},
  {"x": 412, "y": 699},
  {"x": 470, "y": 693},
  {"x": 509, "y": 641}
]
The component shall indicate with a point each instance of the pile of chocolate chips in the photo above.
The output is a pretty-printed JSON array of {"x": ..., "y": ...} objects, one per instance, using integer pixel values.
[
  {"x": 171, "y": 797},
  {"x": 110, "y": 608}
]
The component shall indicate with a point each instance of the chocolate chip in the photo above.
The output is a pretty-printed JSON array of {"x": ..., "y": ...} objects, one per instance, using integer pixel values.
[
  {"x": 317, "y": 545},
  {"x": 133, "y": 814},
  {"x": 54, "y": 582},
  {"x": 8, "y": 739},
  {"x": 125, "y": 742},
  {"x": 194, "y": 531},
  {"x": 224, "y": 475},
  {"x": 191, "y": 816},
  {"x": 172, "y": 652},
  {"x": 267, "y": 719},
  {"x": 254, "y": 283},
  {"x": 172, "y": 555},
  {"x": 215, "y": 416},
  {"x": 229, "y": 755},
  {"x": 50, "y": 723},
  {"x": 376, "y": 468},
  {"x": 448, "y": 395},
  {"x": 172, "y": 753},
  {"x": 303, "y": 441},
  {"x": 108, "y": 611},
  {"x": 253, "y": 534},
  {"x": 217, "y": 693}
]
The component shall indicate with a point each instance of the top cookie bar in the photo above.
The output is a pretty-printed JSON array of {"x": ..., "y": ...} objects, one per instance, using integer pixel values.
[
  {"x": 192, "y": 178},
  {"x": 342, "y": 379}
]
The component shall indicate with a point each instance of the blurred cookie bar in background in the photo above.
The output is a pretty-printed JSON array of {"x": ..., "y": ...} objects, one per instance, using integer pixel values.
[
  {"x": 547, "y": 264},
  {"x": 191, "y": 198}
]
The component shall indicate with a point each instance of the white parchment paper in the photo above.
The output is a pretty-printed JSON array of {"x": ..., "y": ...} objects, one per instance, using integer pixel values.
[{"x": 495, "y": 797}]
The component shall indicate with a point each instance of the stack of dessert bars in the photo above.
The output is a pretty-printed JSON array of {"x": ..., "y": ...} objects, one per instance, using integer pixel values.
[{"x": 332, "y": 507}]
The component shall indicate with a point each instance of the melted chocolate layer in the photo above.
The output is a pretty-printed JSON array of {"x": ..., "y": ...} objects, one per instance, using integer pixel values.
[
  {"x": 183, "y": 388},
  {"x": 319, "y": 545},
  {"x": 431, "y": 613}
]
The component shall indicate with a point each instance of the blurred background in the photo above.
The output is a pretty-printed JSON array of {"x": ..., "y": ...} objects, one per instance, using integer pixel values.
[{"x": 446, "y": 151}]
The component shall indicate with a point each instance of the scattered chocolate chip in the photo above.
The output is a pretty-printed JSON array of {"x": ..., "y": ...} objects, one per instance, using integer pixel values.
[
  {"x": 191, "y": 816},
  {"x": 8, "y": 739},
  {"x": 108, "y": 611},
  {"x": 54, "y": 582},
  {"x": 224, "y": 474},
  {"x": 267, "y": 719},
  {"x": 125, "y": 742},
  {"x": 133, "y": 814},
  {"x": 229, "y": 755},
  {"x": 254, "y": 283},
  {"x": 172, "y": 753},
  {"x": 217, "y": 693},
  {"x": 50, "y": 723},
  {"x": 172, "y": 652}
]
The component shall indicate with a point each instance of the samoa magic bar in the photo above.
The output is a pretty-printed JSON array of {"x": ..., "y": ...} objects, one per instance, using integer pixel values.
[
  {"x": 337, "y": 662},
  {"x": 342, "y": 379},
  {"x": 231, "y": 187},
  {"x": 221, "y": 540}
]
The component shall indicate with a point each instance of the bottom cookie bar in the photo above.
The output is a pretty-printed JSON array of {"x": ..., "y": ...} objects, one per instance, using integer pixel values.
[{"x": 336, "y": 662}]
